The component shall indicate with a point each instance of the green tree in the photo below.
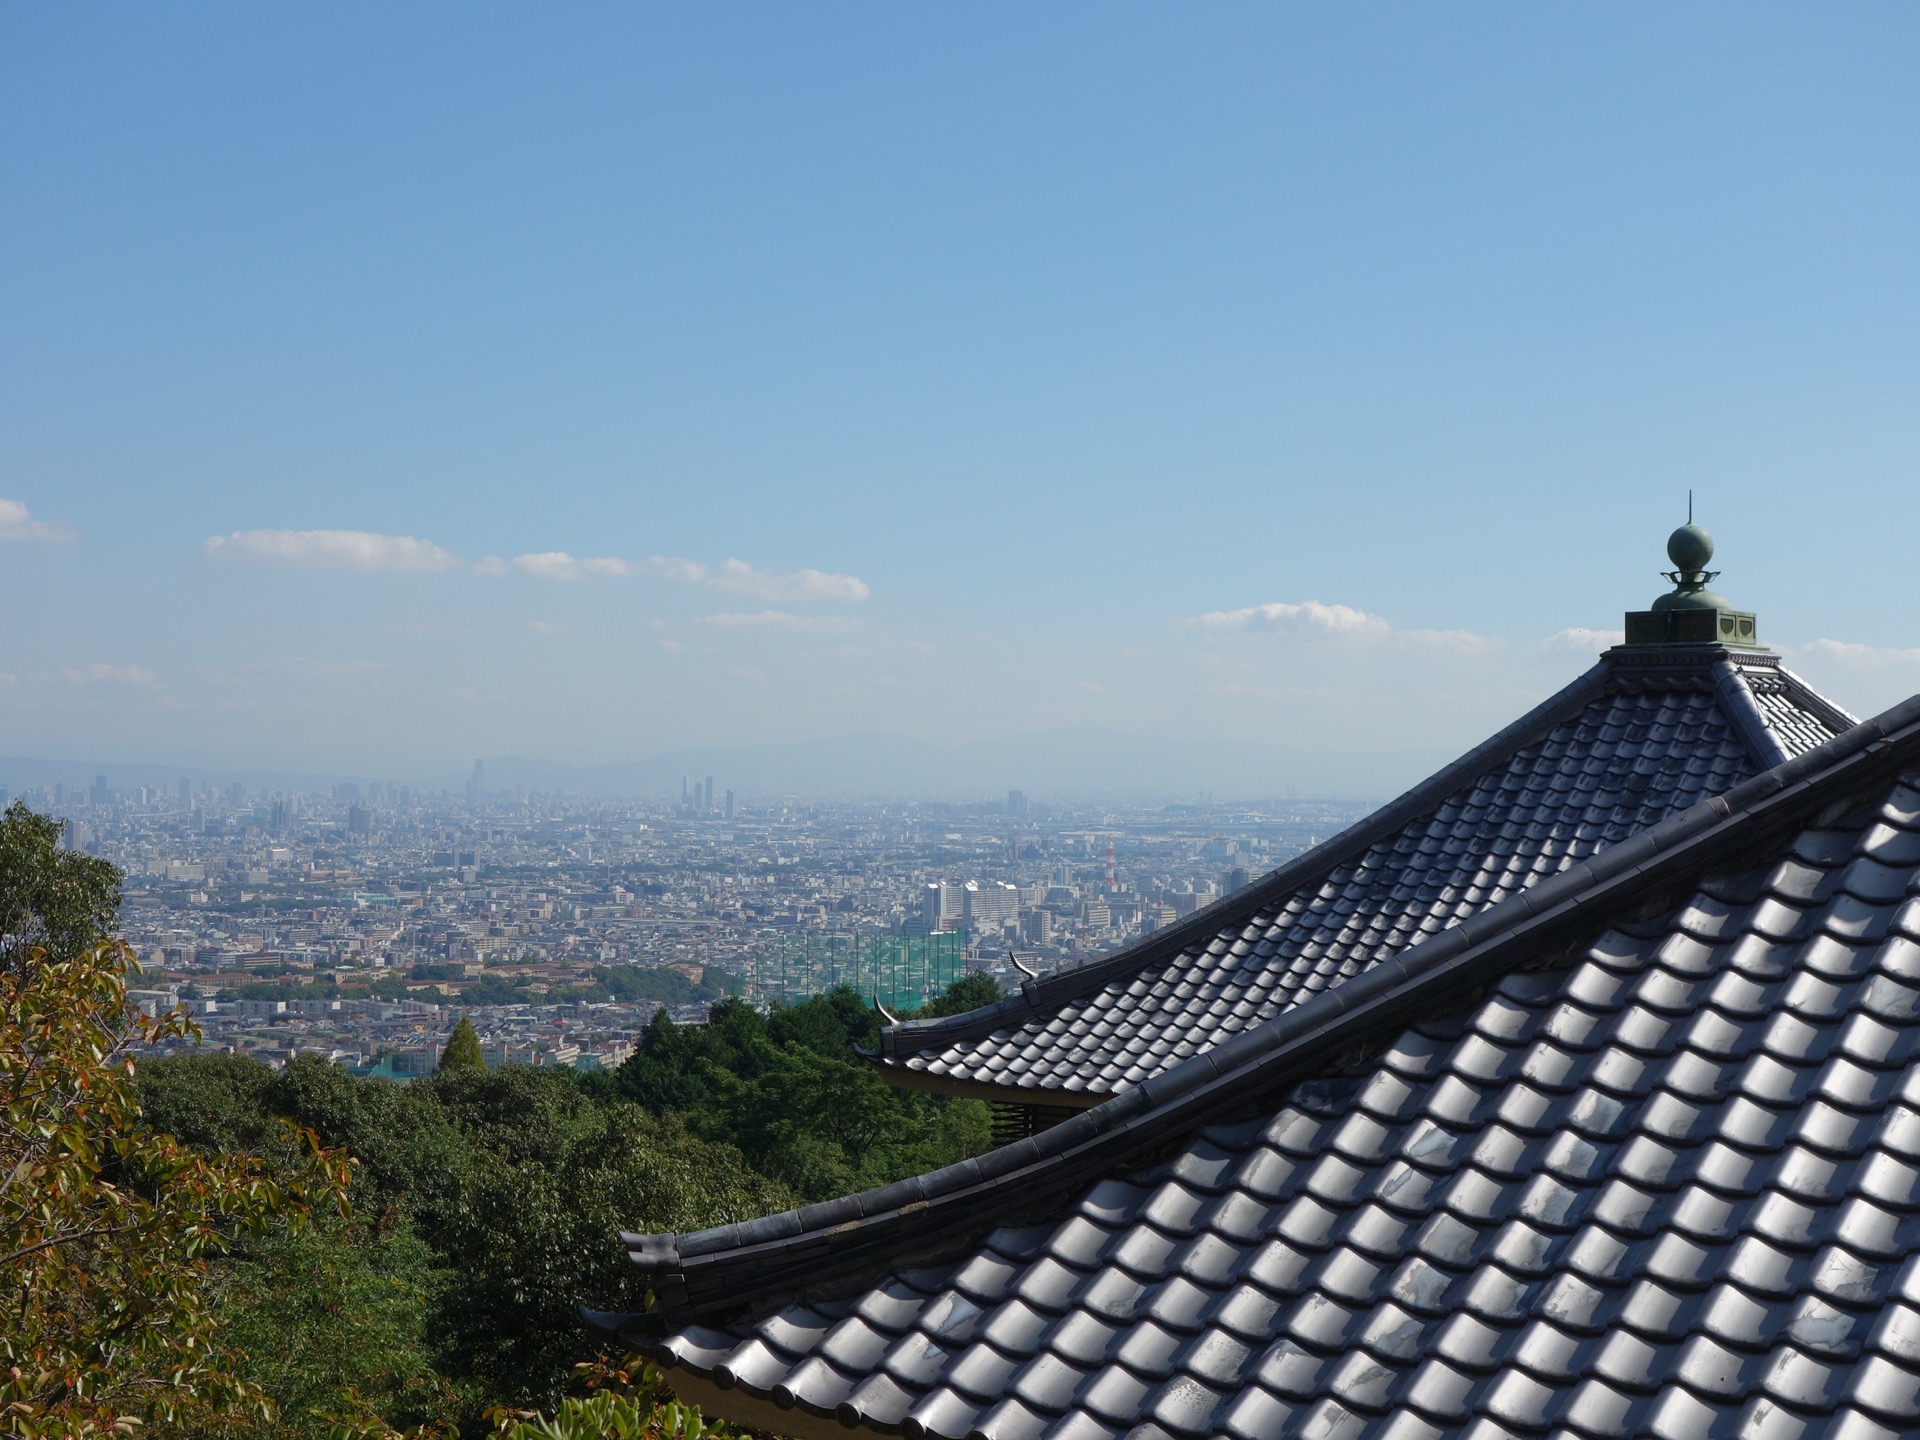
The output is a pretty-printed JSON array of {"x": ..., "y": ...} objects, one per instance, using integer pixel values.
[
  {"x": 51, "y": 900},
  {"x": 108, "y": 1230},
  {"x": 969, "y": 992},
  {"x": 333, "y": 1322},
  {"x": 209, "y": 1101},
  {"x": 790, "y": 1091},
  {"x": 532, "y": 1239},
  {"x": 489, "y": 1206},
  {"x": 628, "y": 1403},
  {"x": 463, "y": 1049}
]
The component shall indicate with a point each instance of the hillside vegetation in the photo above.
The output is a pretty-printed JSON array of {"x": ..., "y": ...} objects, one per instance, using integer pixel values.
[{"x": 339, "y": 1256}]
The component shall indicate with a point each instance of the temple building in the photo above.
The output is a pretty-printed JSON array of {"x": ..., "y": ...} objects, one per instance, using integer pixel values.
[
  {"x": 1690, "y": 706},
  {"x": 1573, "y": 1095}
]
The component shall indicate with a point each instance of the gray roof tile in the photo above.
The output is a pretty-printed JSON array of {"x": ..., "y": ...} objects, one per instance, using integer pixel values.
[
  {"x": 1630, "y": 744},
  {"x": 1706, "y": 1227}
]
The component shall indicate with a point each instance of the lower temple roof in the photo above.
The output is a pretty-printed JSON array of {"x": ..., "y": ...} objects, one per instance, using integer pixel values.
[{"x": 1634, "y": 1153}]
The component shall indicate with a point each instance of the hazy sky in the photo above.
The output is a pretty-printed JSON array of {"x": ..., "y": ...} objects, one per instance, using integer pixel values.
[{"x": 382, "y": 386}]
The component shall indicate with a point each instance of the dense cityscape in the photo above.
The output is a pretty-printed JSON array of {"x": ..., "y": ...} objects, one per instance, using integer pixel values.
[{"x": 360, "y": 922}]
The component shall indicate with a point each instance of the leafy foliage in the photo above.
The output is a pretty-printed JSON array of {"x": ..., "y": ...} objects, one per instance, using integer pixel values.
[
  {"x": 108, "y": 1230},
  {"x": 623, "y": 1404},
  {"x": 51, "y": 899},
  {"x": 176, "y": 1246},
  {"x": 498, "y": 1195},
  {"x": 463, "y": 1049},
  {"x": 333, "y": 1322},
  {"x": 791, "y": 1092},
  {"x": 969, "y": 992}
]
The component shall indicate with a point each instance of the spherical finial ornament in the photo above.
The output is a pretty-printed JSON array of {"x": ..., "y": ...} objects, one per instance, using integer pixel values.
[{"x": 1690, "y": 548}]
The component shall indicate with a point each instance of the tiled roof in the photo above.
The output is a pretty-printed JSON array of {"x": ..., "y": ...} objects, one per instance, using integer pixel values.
[
  {"x": 1637, "y": 739},
  {"x": 1620, "y": 1175},
  {"x": 1794, "y": 711}
]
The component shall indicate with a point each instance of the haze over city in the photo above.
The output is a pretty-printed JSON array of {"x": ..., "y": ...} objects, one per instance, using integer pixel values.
[{"x": 1253, "y": 398}]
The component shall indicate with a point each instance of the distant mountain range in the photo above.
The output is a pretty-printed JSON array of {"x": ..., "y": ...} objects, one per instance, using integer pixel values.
[{"x": 1083, "y": 761}]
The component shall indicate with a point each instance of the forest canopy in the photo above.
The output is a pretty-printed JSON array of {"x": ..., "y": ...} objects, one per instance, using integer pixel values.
[{"x": 220, "y": 1248}]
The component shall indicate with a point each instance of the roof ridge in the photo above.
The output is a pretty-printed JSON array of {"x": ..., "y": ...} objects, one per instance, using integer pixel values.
[
  {"x": 1729, "y": 686},
  {"x": 1058, "y": 986},
  {"x": 727, "y": 1267}
]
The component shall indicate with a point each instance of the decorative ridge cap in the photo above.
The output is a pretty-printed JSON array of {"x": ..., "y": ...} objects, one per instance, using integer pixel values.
[
  {"x": 1744, "y": 712},
  {"x": 1256, "y": 1062},
  {"x": 1686, "y": 657},
  {"x": 912, "y": 1037}
]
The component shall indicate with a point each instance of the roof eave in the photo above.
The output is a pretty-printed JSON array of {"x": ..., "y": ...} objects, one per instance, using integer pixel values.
[{"x": 727, "y": 1269}]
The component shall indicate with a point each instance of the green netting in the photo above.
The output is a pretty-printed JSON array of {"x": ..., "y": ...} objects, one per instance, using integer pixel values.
[{"x": 905, "y": 971}]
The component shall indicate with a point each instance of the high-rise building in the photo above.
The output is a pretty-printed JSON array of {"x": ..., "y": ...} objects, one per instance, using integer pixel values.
[
  {"x": 729, "y": 805},
  {"x": 1017, "y": 803},
  {"x": 359, "y": 820},
  {"x": 186, "y": 793},
  {"x": 943, "y": 906},
  {"x": 99, "y": 789},
  {"x": 477, "y": 782},
  {"x": 706, "y": 802},
  {"x": 991, "y": 904}
]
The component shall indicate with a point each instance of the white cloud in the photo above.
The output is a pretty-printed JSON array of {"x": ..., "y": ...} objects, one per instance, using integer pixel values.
[
  {"x": 1583, "y": 640},
  {"x": 1310, "y": 618},
  {"x": 1460, "y": 642},
  {"x": 1866, "y": 657},
  {"x": 672, "y": 567},
  {"x": 275, "y": 671},
  {"x": 332, "y": 550},
  {"x": 786, "y": 585},
  {"x": 558, "y": 565},
  {"x": 17, "y": 523},
  {"x": 1313, "y": 620},
  {"x": 108, "y": 675},
  {"x": 775, "y": 620},
  {"x": 735, "y": 577},
  {"x": 549, "y": 627}
]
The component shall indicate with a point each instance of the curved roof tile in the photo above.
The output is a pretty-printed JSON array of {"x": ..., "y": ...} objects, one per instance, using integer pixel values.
[
  {"x": 1639, "y": 738},
  {"x": 1564, "y": 1170}
]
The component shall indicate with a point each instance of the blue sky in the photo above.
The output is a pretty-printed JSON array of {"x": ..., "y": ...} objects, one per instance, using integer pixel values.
[{"x": 931, "y": 370}]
